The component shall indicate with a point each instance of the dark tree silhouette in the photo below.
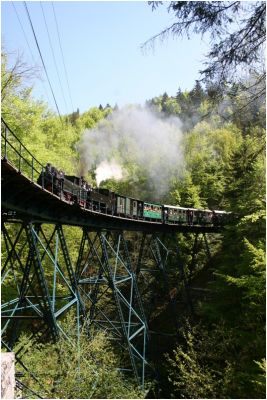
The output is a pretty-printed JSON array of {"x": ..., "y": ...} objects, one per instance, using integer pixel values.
[{"x": 237, "y": 34}]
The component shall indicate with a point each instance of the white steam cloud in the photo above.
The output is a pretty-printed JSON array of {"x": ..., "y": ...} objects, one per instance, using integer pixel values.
[
  {"x": 134, "y": 136},
  {"x": 108, "y": 169}
]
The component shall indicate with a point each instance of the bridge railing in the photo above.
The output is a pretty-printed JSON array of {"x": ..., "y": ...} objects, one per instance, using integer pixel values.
[{"x": 13, "y": 151}]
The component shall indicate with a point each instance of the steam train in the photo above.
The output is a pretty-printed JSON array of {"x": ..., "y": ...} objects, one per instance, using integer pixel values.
[{"x": 77, "y": 191}]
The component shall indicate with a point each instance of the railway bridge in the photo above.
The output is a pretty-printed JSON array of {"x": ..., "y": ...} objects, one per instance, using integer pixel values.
[{"x": 58, "y": 258}]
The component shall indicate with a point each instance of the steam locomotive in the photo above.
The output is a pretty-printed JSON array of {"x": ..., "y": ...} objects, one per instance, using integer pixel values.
[{"x": 77, "y": 191}]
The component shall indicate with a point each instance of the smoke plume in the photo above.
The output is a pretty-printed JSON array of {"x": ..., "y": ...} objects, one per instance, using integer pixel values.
[
  {"x": 108, "y": 169},
  {"x": 134, "y": 136}
]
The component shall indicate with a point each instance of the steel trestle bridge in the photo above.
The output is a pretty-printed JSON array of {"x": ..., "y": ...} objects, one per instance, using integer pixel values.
[{"x": 41, "y": 282}]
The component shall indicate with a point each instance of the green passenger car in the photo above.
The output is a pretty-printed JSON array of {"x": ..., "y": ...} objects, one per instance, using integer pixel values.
[{"x": 152, "y": 211}]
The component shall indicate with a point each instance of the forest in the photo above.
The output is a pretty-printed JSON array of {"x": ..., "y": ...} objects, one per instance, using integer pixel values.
[{"x": 217, "y": 347}]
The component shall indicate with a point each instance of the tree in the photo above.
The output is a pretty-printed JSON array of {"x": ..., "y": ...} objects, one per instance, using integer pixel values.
[
  {"x": 74, "y": 368},
  {"x": 197, "y": 94},
  {"x": 245, "y": 187},
  {"x": 209, "y": 363},
  {"x": 237, "y": 33},
  {"x": 165, "y": 98},
  {"x": 17, "y": 107},
  {"x": 74, "y": 116},
  {"x": 172, "y": 107},
  {"x": 13, "y": 77}
]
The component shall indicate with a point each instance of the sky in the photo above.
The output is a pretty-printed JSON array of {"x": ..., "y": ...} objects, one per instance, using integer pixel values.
[{"x": 102, "y": 60}]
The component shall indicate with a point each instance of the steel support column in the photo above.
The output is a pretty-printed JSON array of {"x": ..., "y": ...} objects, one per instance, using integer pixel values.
[
  {"x": 110, "y": 293},
  {"x": 197, "y": 247},
  {"x": 152, "y": 259},
  {"x": 38, "y": 281}
]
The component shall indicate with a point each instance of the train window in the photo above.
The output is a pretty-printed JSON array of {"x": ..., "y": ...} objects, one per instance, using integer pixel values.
[{"x": 134, "y": 203}]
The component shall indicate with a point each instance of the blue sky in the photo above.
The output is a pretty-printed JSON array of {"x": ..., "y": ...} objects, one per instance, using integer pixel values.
[{"x": 101, "y": 43}]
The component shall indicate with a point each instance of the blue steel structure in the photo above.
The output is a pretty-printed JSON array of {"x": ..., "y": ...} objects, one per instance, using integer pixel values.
[{"x": 40, "y": 281}]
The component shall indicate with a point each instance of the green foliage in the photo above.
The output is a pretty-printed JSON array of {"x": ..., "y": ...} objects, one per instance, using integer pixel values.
[
  {"x": 188, "y": 106},
  {"x": 75, "y": 368},
  {"x": 260, "y": 379},
  {"x": 187, "y": 194},
  {"x": 246, "y": 175},
  {"x": 208, "y": 149},
  {"x": 210, "y": 364}
]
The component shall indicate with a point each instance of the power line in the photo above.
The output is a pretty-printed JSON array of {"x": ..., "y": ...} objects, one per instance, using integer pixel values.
[
  {"x": 23, "y": 30},
  {"x": 29, "y": 47},
  {"x": 38, "y": 47},
  {"x": 66, "y": 75},
  {"x": 54, "y": 58}
]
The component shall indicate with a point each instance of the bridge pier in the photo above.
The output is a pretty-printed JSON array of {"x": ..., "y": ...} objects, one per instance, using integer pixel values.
[
  {"x": 38, "y": 282},
  {"x": 156, "y": 253},
  {"x": 110, "y": 293}
]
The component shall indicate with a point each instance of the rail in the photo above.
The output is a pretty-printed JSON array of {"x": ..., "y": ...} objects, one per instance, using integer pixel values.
[{"x": 14, "y": 151}]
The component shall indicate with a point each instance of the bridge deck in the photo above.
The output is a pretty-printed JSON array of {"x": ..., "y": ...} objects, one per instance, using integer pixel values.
[{"x": 31, "y": 202}]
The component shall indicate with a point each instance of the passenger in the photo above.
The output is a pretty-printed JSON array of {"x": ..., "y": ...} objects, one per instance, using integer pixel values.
[
  {"x": 188, "y": 216},
  {"x": 61, "y": 179},
  {"x": 191, "y": 217},
  {"x": 83, "y": 183},
  {"x": 214, "y": 218},
  {"x": 140, "y": 209},
  {"x": 45, "y": 180},
  {"x": 48, "y": 168},
  {"x": 53, "y": 171},
  {"x": 165, "y": 215}
]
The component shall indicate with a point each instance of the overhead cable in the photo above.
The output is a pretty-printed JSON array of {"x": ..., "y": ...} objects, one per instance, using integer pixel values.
[
  {"x": 66, "y": 75},
  {"x": 39, "y": 50},
  {"x": 54, "y": 58},
  {"x": 24, "y": 34},
  {"x": 29, "y": 47}
]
